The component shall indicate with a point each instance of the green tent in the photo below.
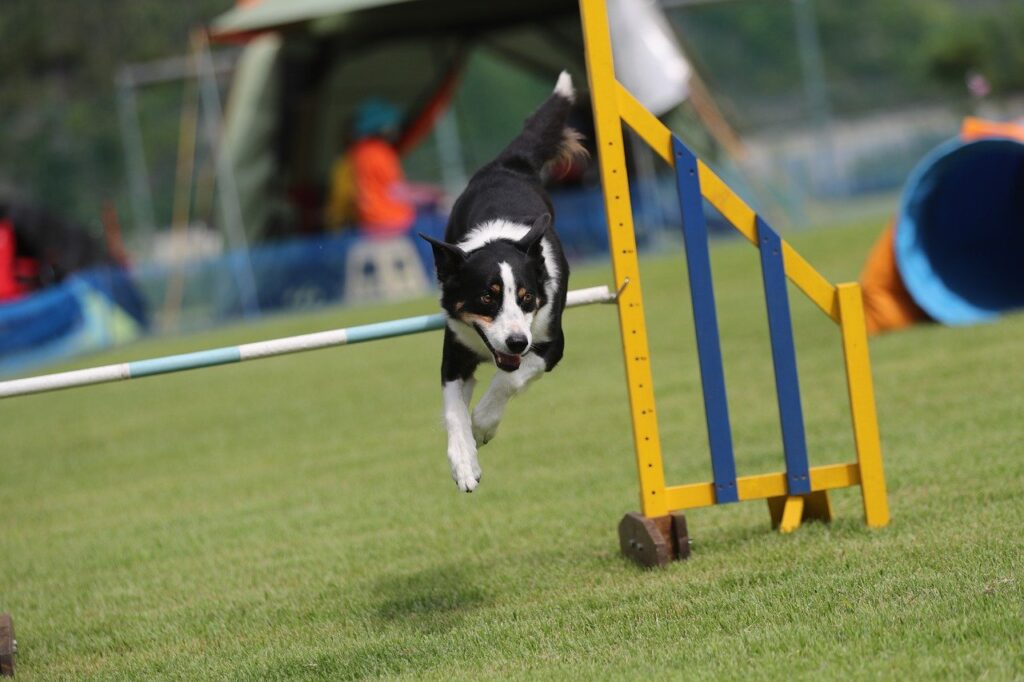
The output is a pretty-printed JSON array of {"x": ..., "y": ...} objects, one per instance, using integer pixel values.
[{"x": 309, "y": 62}]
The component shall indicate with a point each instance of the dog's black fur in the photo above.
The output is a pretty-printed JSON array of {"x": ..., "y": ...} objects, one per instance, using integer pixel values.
[{"x": 508, "y": 188}]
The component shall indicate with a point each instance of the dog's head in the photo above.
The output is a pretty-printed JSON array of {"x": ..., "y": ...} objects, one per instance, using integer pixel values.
[{"x": 496, "y": 289}]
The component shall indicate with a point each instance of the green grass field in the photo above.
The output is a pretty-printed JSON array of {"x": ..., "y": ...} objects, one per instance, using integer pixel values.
[{"x": 294, "y": 518}]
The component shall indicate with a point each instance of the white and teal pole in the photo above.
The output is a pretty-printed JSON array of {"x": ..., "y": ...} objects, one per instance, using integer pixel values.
[{"x": 254, "y": 351}]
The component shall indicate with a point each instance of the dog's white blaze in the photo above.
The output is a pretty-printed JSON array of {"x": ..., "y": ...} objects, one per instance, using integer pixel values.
[{"x": 511, "y": 320}]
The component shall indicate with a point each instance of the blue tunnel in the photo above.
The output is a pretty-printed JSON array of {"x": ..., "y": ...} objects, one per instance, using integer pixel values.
[{"x": 959, "y": 241}]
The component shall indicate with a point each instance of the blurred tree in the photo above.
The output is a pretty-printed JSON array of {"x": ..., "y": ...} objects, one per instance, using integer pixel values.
[
  {"x": 60, "y": 141},
  {"x": 985, "y": 38},
  {"x": 877, "y": 54}
]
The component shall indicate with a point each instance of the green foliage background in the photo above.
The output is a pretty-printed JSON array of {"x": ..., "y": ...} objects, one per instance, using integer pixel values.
[
  {"x": 59, "y": 136},
  {"x": 60, "y": 139},
  {"x": 877, "y": 54}
]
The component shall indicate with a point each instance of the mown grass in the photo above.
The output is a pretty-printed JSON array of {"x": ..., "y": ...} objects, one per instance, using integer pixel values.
[{"x": 294, "y": 518}]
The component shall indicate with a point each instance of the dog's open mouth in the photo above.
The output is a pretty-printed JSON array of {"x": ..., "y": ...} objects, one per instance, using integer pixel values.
[
  {"x": 509, "y": 363},
  {"x": 504, "y": 361}
]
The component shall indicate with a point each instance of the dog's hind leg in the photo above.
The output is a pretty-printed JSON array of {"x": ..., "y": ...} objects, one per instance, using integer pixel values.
[{"x": 503, "y": 387}]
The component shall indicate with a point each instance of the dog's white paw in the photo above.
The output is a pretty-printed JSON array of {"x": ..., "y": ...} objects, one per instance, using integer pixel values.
[
  {"x": 485, "y": 427},
  {"x": 465, "y": 468},
  {"x": 484, "y": 434},
  {"x": 466, "y": 476}
]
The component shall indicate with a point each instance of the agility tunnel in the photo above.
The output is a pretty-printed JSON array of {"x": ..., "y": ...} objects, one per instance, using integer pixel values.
[{"x": 955, "y": 251}]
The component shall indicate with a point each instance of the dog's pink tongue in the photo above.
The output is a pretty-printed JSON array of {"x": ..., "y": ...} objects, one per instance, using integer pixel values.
[{"x": 508, "y": 360}]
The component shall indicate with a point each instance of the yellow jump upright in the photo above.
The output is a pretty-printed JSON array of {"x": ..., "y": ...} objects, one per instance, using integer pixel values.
[{"x": 658, "y": 534}]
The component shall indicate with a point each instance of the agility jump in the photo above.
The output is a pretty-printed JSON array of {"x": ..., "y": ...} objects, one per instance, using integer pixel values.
[{"x": 659, "y": 533}]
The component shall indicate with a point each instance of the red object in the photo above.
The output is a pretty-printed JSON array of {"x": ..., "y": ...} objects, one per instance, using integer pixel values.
[
  {"x": 10, "y": 289},
  {"x": 378, "y": 177},
  {"x": 423, "y": 121}
]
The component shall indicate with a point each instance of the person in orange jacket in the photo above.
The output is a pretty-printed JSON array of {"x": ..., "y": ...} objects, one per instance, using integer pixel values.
[{"x": 368, "y": 185}]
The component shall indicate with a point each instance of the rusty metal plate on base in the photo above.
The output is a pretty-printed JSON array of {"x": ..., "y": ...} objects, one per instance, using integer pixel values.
[{"x": 8, "y": 645}]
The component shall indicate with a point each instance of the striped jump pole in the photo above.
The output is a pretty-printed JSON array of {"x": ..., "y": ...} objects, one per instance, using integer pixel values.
[{"x": 255, "y": 351}]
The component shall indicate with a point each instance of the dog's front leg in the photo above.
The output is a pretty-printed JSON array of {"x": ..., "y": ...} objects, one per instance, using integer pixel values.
[
  {"x": 503, "y": 387},
  {"x": 461, "y": 446}
]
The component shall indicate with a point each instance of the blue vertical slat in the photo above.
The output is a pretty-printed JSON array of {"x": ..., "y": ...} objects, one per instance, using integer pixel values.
[
  {"x": 705, "y": 321},
  {"x": 787, "y": 385}
]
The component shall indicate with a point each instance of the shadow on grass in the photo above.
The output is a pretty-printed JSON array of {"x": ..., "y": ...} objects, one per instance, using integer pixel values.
[
  {"x": 433, "y": 600},
  {"x": 413, "y": 620},
  {"x": 415, "y": 615}
]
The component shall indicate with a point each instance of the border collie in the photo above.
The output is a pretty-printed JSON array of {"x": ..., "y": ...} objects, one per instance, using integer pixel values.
[{"x": 503, "y": 281}]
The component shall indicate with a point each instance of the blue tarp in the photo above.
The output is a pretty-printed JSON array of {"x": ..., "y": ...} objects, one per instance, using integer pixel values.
[{"x": 89, "y": 310}]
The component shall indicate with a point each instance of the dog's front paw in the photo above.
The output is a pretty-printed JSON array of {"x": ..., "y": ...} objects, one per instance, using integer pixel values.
[
  {"x": 466, "y": 476},
  {"x": 485, "y": 427},
  {"x": 484, "y": 434},
  {"x": 465, "y": 467}
]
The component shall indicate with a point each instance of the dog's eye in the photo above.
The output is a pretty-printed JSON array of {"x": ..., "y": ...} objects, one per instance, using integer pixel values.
[
  {"x": 487, "y": 298},
  {"x": 527, "y": 297}
]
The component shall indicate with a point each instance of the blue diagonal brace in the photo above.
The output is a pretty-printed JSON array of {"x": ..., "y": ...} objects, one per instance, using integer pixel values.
[
  {"x": 705, "y": 321},
  {"x": 787, "y": 384}
]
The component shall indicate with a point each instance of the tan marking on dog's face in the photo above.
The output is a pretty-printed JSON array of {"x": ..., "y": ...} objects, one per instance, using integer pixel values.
[
  {"x": 472, "y": 318},
  {"x": 521, "y": 292},
  {"x": 496, "y": 288},
  {"x": 459, "y": 306}
]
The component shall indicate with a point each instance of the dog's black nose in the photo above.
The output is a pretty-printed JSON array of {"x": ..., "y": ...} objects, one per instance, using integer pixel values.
[{"x": 517, "y": 343}]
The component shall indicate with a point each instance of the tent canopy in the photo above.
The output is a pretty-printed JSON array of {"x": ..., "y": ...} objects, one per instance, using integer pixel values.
[
  {"x": 361, "y": 21},
  {"x": 310, "y": 62}
]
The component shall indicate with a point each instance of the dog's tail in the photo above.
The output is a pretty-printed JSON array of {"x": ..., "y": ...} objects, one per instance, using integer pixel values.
[{"x": 546, "y": 139}]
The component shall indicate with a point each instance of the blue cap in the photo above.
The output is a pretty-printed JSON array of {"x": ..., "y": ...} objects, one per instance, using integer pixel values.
[{"x": 374, "y": 116}]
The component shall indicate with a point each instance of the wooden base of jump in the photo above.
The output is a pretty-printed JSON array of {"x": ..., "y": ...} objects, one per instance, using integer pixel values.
[
  {"x": 8, "y": 645},
  {"x": 656, "y": 541}
]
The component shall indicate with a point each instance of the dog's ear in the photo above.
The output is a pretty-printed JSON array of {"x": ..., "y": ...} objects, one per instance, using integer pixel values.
[
  {"x": 448, "y": 258},
  {"x": 531, "y": 243}
]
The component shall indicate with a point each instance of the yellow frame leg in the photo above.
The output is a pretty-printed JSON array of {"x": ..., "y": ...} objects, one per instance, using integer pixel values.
[
  {"x": 625, "y": 265},
  {"x": 792, "y": 514},
  {"x": 862, "y": 405},
  {"x": 787, "y": 514}
]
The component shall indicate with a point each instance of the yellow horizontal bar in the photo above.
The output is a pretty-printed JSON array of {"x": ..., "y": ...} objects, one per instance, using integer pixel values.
[
  {"x": 644, "y": 123},
  {"x": 761, "y": 486}
]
